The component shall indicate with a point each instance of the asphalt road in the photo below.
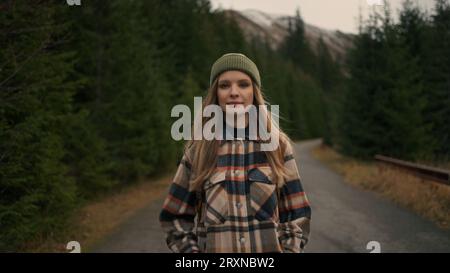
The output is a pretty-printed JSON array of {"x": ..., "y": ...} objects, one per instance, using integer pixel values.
[{"x": 344, "y": 219}]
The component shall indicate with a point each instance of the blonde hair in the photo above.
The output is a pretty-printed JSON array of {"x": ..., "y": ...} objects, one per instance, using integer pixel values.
[{"x": 203, "y": 153}]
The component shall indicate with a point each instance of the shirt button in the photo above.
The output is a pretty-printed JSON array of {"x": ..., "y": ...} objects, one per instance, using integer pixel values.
[
  {"x": 237, "y": 172},
  {"x": 242, "y": 240},
  {"x": 238, "y": 205}
]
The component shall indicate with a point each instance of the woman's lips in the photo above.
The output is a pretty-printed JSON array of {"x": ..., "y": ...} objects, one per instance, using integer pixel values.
[{"x": 234, "y": 104}]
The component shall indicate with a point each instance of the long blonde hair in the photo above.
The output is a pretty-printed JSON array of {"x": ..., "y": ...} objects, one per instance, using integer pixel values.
[{"x": 203, "y": 153}]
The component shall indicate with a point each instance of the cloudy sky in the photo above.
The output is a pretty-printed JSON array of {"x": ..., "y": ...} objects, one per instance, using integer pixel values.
[{"x": 329, "y": 14}]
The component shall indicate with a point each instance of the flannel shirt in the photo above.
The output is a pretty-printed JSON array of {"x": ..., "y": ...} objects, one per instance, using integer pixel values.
[{"x": 241, "y": 208}]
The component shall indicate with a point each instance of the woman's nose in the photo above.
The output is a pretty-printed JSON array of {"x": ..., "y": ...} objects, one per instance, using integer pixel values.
[{"x": 234, "y": 92}]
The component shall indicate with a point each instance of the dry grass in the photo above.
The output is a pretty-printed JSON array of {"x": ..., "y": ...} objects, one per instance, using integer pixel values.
[
  {"x": 426, "y": 198},
  {"x": 99, "y": 218}
]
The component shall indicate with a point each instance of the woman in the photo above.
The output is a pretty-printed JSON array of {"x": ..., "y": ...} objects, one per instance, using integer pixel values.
[{"x": 243, "y": 198}]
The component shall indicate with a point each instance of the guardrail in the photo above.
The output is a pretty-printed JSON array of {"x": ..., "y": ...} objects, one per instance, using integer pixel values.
[{"x": 430, "y": 173}]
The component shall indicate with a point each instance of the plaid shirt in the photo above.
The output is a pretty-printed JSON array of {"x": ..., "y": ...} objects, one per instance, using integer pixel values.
[{"x": 242, "y": 210}]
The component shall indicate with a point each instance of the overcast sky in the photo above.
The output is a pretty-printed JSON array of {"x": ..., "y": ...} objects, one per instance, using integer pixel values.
[{"x": 329, "y": 14}]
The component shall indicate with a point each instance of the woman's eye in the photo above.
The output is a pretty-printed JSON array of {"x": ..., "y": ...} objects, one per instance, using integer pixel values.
[
  {"x": 245, "y": 85},
  {"x": 223, "y": 86}
]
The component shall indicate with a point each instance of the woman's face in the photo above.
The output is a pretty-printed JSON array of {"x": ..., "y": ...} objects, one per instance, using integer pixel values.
[{"x": 235, "y": 89}]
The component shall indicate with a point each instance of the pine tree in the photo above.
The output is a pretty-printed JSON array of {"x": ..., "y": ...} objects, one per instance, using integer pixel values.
[
  {"x": 385, "y": 103},
  {"x": 437, "y": 76},
  {"x": 35, "y": 105},
  {"x": 357, "y": 117},
  {"x": 296, "y": 48},
  {"x": 331, "y": 80}
]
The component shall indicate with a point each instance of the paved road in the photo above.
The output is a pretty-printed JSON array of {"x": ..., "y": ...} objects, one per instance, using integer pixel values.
[{"x": 344, "y": 219}]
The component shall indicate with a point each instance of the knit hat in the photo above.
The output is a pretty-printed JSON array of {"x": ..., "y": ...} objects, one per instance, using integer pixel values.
[{"x": 235, "y": 61}]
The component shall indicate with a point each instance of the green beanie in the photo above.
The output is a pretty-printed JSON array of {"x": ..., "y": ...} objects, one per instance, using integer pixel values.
[{"x": 235, "y": 61}]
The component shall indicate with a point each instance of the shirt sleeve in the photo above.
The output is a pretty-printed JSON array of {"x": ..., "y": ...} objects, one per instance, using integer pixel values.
[
  {"x": 178, "y": 212},
  {"x": 294, "y": 208}
]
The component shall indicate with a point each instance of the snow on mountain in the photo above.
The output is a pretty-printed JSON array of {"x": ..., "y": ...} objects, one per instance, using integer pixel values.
[{"x": 274, "y": 28}]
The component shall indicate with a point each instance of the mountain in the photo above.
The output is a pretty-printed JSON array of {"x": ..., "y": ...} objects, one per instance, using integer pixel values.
[{"x": 274, "y": 28}]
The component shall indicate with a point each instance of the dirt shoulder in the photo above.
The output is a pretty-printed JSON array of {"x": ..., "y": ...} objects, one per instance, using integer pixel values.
[
  {"x": 97, "y": 219},
  {"x": 426, "y": 198}
]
